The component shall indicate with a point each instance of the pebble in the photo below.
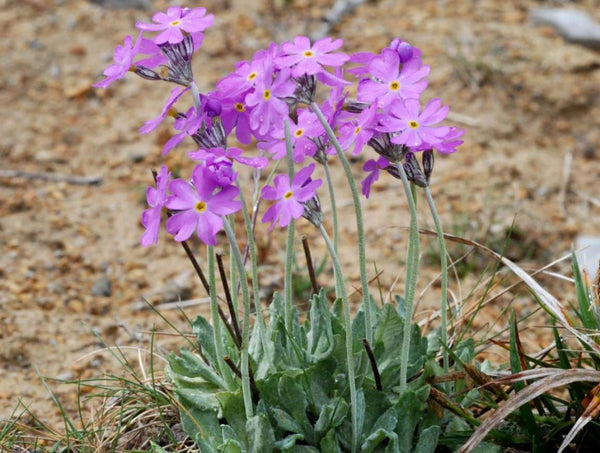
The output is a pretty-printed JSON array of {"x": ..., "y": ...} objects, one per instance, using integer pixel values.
[{"x": 102, "y": 287}]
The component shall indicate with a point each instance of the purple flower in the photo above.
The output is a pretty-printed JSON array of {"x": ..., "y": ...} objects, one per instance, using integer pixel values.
[
  {"x": 268, "y": 108},
  {"x": 188, "y": 124},
  {"x": 235, "y": 114},
  {"x": 302, "y": 134},
  {"x": 391, "y": 80},
  {"x": 305, "y": 59},
  {"x": 233, "y": 154},
  {"x": 176, "y": 21},
  {"x": 372, "y": 167},
  {"x": 200, "y": 206},
  {"x": 290, "y": 197},
  {"x": 156, "y": 198},
  {"x": 412, "y": 128},
  {"x": 123, "y": 56},
  {"x": 359, "y": 131},
  {"x": 150, "y": 125},
  {"x": 450, "y": 141}
]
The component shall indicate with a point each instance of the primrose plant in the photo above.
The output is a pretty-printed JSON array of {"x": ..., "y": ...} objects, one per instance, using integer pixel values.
[{"x": 278, "y": 382}]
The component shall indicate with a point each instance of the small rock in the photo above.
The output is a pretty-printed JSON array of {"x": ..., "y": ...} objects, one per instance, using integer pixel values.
[
  {"x": 587, "y": 252},
  {"x": 102, "y": 287},
  {"x": 573, "y": 25}
]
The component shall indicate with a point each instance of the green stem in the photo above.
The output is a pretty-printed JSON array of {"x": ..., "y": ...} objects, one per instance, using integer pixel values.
[
  {"x": 364, "y": 282},
  {"x": 291, "y": 231},
  {"x": 216, "y": 321},
  {"x": 246, "y": 391},
  {"x": 348, "y": 329},
  {"x": 253, "y": 259},
  {"x": 334, "y": 217},
  {"x": 412, "y": 272},
  {"x": 444, "y": 271}
]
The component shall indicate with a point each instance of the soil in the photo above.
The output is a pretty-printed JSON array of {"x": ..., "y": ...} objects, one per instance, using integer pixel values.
[{"x": 72, "y": 273}]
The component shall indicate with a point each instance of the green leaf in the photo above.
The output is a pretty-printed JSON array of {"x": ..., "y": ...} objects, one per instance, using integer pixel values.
[
  {"x": 154, "y": 448},
  {"x": 232, "y": 410},
  {"x": 584, "y": 299},
  {"x": 330, "y": 444},
  {"x": 288, "y": 442},
  {"x": 188, "y": 369},
  {"x": 377, "y": 403},
  {"x": 332, "y": 415},
  {"x": 516, "y": 354},
  {"x": 382, "y": 429},
  {"x": 260, "y": 434},
  {"x": 205, "y": 336},
  {"x": 262, "y": 351},
  {"x": 409, "y": 411},
  {"x": 293, "y": 398},
  {"x": 320, "y": 336},
  {"x": 428, "y": 440},
  {"x": 286, "y": 422}
]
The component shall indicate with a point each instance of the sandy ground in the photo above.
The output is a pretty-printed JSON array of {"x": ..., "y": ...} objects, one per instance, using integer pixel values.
[{"x": 71, "y": 269}]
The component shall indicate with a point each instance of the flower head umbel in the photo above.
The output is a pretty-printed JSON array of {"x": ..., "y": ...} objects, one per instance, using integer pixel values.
[
  {"x": 359, "y": 131},
  {"x": 414, "y": 129},
  {"x": 268, "y": 107},
  {"x": 123, "y": 56},
  {"x": 199, "y": 206},
  {"x": 290, "y": 197},
  {"x": 175, "y": 22},
  {"x": 156, "y": 198},
  {"x": 390, "y": 79},
  {"x": 306, "y": 59}
]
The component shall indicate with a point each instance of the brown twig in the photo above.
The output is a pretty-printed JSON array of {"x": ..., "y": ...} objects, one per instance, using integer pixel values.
[
  {"x": 238, "y": 373},
  {"x": 373, "y": 363},
  {"x": 309, "y": 264},
  {"x": 232, "y": 313},
  {"x": 55, "y": 177}
]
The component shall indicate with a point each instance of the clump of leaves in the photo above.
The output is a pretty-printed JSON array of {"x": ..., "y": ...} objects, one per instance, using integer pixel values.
[{"x": 300, "y": 386}]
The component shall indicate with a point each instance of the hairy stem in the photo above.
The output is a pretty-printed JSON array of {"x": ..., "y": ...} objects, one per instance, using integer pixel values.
[
  {"x": 364, "y": 282},
  {"x": 348, "y": 329},
  {"x": 412, "y": 272},
  {"x": 444, "y": 272},
  {"x": 237, "y": 255}
]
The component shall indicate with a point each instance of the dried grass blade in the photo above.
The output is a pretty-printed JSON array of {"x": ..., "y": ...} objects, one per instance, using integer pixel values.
[{"x": 557, "y": 378}]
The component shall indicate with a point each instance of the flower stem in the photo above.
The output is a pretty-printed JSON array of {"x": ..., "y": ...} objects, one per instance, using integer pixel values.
[
  {"x": 334, "y": 217},
  {"x": 246, "y": 391},
  {"x": 214, "y": 310},
  {"x": 291, "y": 231},
  {"x": 359, "y": 221},
  {"x": 412, "y": 272},
  {"x": 348, "y": 328},
  {"x": 444, "y": 272}
]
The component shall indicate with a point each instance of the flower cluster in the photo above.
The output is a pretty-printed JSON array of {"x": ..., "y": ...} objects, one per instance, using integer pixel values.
[{"x": 258, "y": 102}]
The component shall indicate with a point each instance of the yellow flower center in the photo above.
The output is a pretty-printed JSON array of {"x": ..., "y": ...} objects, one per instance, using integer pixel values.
[
  {"x": 175, "y": 23},
  {"x": 308, "y": 53},
  {"x": 289, "y": 194},
  {"x": 252, "y": 75},
  {"x": 200, "y": 206},
  {"x": 413, "y": 124},
  {"x": 267, "y": 95},
  {"x": 357, "y": 130},
  {"x": 299, "y": 133},
  {"x": 395, "y": 85},
  {"x": 240, "y": 107}
]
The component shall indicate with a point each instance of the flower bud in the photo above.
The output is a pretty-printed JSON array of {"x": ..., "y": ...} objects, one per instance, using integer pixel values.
[
  {"x": 428, "y": 161},
  {"x": 413, "y": 170},
  {"x": 313, "y": 212}
]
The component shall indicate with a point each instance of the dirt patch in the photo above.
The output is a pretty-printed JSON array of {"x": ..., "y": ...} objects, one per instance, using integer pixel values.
[{"x": 71, "y": 269}]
